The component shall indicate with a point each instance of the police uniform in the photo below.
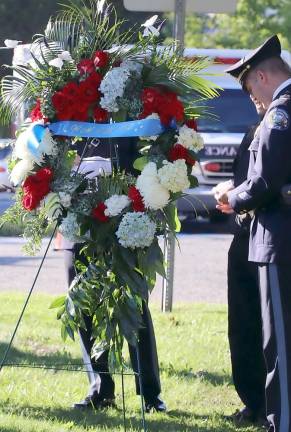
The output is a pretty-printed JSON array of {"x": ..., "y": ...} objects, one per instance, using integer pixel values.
[
  {"x": 101, "y": 391},
  {"x": 244, "y": 318},
  {"x": 270, "y": 234}
]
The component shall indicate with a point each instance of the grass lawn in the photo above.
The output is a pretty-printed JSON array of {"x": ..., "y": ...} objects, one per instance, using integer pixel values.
[{"x": 195, "y": 374}]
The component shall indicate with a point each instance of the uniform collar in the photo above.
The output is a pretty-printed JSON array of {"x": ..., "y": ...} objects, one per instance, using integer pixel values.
[{"x": 281, "y": 87}]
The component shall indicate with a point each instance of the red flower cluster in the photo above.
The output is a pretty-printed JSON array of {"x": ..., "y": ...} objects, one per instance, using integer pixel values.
[
  {"x": 36, "y": 113},
  {"x": 180, "y": 152},
  {"x": 36, "y": 187},
  {"x": 74, "y": 100},
  {"x": 136, "y": 198},
  {"x": 100, "y": 115},
  {"x": 98, "y": 212},
  {"x": 164, "y": 103}
]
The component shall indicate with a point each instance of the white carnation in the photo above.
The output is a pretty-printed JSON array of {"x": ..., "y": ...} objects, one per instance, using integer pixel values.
[
  {"x": 115, "y": 204},
  {"x": 47, "y": 146},
  {"x": 153, "y": 137},
  {"x": 190, "y": 139},
  {"x": 155, "y": 196},
  {"x": 20, "y": 171},
  {"x": 136, "y": 230},
  {"x": 70, "y": 227},
  {"x": 174, "y": 176}
]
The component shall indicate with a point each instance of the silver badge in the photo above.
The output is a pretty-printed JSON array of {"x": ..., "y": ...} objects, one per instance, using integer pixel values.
[{"x": 278, "y": 119}]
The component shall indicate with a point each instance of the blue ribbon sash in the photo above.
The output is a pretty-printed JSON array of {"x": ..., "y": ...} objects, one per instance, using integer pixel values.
[{"x": 134, "y": 128}]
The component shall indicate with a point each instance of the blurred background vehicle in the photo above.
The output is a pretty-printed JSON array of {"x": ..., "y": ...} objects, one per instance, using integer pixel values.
[
  {"x": 5, "y": 153},
  {"x": 232, "y": 113}
]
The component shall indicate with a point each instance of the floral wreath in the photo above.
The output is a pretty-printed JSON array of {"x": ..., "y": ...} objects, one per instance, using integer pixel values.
[{"x": 84, "y": 70}]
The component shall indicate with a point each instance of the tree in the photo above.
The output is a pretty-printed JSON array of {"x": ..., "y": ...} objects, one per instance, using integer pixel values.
[{"x": 252, "y": 23}]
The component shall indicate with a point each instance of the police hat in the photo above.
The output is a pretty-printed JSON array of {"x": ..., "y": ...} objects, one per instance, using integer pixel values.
[{"x": 270, "y": 48}]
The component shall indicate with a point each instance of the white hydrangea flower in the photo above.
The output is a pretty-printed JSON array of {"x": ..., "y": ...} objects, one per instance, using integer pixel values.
[
  {"x": 136, "y": 230},
  {"x": 65, "y": 199},
  {"x": 70, "y": 227},
  {"x": 20, "y": 171},
  {"x": 115, "y": 204},
  {"x": 153, "y": 137},
  {"x": 112, "y": 86},
  {"x": 174, "y": 176},
  {"x": 190, "y": 139},
  {"x": 155, "y": 196}
]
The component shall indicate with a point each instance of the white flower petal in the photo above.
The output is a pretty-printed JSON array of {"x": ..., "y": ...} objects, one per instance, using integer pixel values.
[
  {"x": 11, "y": 43},
  {"x": 65, "y": 55},
  {"x": 57, "y": 62},
  {"x": 100, "y": 6},
  {"x": 150, "y": 22}
]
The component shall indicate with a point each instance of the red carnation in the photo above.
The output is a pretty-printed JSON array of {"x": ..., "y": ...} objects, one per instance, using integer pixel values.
[
  {"x": 98, "y": 212},
  {"x": 192, "y": 124},
  {"x": 180, "y": 152},
  {"x": 44, "y": 174},
  {"x": 136, "y": 198},
  {"x": 165, "y": 103},
  {"x": 30, "y": 202},
  {"x": 36, "y": 187},
  {"x": 100, "y": 115},
  {"x": 89, "y": 91},
  {"x": 36, "y": 113},
  {"x": 101, "y": 59},
  {"x": 86, "y": 66}
]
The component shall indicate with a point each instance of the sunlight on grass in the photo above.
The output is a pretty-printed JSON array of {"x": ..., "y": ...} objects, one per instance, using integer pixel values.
[{"x": 194, "y": 363}]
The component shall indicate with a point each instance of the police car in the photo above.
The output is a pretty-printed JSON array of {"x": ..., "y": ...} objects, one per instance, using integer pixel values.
[{"x": 232, "y": 114}]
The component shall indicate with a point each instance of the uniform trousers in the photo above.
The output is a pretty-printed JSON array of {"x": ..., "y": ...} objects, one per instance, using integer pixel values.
[
  {"x": 275, "y": 286},
  {"x": 101, "y": 382},
  {"x": 245, "y": 326}
]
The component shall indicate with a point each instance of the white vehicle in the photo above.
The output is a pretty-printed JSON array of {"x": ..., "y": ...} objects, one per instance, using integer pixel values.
[
  {"x": 222, "y": 135},
  {"x": 5, "y": 152}
]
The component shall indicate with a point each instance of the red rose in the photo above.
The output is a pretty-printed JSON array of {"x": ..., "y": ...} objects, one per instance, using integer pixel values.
[
  {"x": 136, "y": 198},
  {"x": 180, "y": 152},
  {"x": 98, "y": 212},
  {"x": 71, "y": 90},
  {"x": 192, "y": 124},
  {"x": 30, "y": 202},
  {"x": 101, "y": 59},
  {"x": 100, "y": 115},
  {"x": 86, "y": 66},
  {"x": 36, "y": 113}
]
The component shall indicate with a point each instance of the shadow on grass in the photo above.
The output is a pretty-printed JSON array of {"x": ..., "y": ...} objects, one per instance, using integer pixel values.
[
  {"x": 50, "y": 359},
  {"x": 188, "y": 374},
  {"x": 113, "y": 420}
]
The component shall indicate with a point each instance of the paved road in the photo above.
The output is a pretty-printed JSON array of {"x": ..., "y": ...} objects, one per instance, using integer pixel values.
[{"x": 200, "y": 269}]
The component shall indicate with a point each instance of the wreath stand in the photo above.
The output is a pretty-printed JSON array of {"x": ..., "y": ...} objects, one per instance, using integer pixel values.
[{"x": 4, "y": 363}]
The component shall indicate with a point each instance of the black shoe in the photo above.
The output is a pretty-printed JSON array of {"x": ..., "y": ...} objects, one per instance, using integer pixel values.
[
  {"x": 246, "y": 416},
  {"x": 155, "y": 404},
  {"x": 95, "y": 401}
]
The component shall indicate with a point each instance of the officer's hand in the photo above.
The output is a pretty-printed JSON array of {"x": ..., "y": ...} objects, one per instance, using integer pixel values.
[
  {"x": 225, "y": 208},
  {"x": 221, "y": 189}
]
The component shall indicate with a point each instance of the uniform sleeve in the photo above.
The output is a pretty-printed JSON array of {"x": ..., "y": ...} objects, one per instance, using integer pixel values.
[{"x": 272, "y": 168}]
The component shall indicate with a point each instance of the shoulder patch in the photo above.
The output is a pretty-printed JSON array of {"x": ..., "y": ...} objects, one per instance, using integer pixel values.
[{"x": 278, "y": 119}]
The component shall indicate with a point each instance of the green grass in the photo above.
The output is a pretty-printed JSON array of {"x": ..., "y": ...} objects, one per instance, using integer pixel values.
[{"x": 195, "y": 374}]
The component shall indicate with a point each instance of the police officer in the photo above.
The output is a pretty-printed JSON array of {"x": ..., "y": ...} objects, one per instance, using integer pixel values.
[
  {"x": 267, "y": 78},
  {"x": 244, "y": 318},
  {"x": 101, "y": 390}
]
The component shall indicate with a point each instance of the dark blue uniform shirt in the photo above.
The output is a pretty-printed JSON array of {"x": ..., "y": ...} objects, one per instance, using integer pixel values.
[{"x": 269, "y": 170}]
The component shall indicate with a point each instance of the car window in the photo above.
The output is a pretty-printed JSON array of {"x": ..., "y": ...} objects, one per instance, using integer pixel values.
[{"x": 231, "y": 111}]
